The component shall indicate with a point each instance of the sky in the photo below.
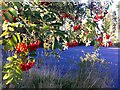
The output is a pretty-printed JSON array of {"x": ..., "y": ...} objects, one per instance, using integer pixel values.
[{"x": 113, "y": 7}]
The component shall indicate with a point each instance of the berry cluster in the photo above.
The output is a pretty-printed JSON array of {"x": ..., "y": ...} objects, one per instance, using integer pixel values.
[
  {"x": 33, "y": 46},
  {"x": 97, "y": 18},
  {"x": 100, "y": 39},
  {"x": 72, "y": 44},
  {"x": 21, "y": 47},
  {"x": 26, "y": 66},
  {"x": 76, "y": 27},
  {"x": 108, "y": 44},
  {"x": 107, "y": 36}
]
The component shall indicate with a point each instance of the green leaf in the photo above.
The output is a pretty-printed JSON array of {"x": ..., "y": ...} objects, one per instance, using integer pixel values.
[
  {"x": 11, "y": 28},
  {"x": 50, "y": 19},
  {"x": 11, "y": 42},
  {"x": 4, "y": 7},
  {"x": 46, "y": 27},
  {"x": 46, "y": 16},
  {"x": 13, "y": 11},
  {"x": 61, "y": 34},
  {"x": 26, "y": 7},
  {"x": 55, "y": 43},
  {"x": 14, "y": 81},
  {"x": 8, "y": 65},
  {"x": 1, "y": 42},
  {"x": 19, "y": 60},
  {"x": 56, "y": 24},
  {"x": 18, "y": 70},
  {"x": 55, "y": 12},
  {"x": 15, "y": 56},
  {"x": 10, "y": 58},
  {"x": 18, "y": 37},
  {"x": 2, "y": 20},
  {"x": 33, "y": 53},
  {"x": 36, "y": 1},
  {"x": 37, "y": 14},
  {"x": 17, "y": 4},
  {"x": 14, "y": 38},
  {"x": 7, "y": 47},
  {"x": 6, "y": 76},
  {"x": 14, "y": 25},
  {"x": 4, "y": 33},
  {"x": 9, "y": 81},
  {"x": 8, "y": 16}
]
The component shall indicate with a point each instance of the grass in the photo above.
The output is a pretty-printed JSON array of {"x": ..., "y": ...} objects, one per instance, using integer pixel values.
[{"x": 92, "y": 73}]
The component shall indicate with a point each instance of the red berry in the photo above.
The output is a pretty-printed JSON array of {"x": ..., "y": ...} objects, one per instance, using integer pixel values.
[
  {"x": 107, "y": 36},
  {"x": 100, "y": 11},
  {"x": 76, "y": 17},
  {"x": 110, "y": 43},
  {"x": 4, "y": 18},
  {"x": 68, "y": 44},
  {"x": 102, "y": 44},
  {"x": 4, "y": 11},
  {"x": 22, "y": 66},
  {"x": 79, "y": 26},
  {"x": 76, "y": 27},
  {"x": 86, "y": 33},
  {"x": 100, "y": 39},
  {"x": 14, "y": 19},
  {"x": 100, "y": 17},
  {"x": 30, "y": 64},
  {"x": 66, "y": 16},
  {"x": 97, "y": 18},
  {"x": 33, "y": 46},
  {"x": 26, "y": 66},
  {"x": 74, "y": 43},
  {"x": 21, "y": 47}
]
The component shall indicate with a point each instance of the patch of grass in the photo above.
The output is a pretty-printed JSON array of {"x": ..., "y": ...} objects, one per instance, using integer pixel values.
[{"x": 92, "y": 73}]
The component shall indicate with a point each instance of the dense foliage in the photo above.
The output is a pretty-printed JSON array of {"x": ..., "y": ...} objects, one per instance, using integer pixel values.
[{"x": 51, "y": 25}]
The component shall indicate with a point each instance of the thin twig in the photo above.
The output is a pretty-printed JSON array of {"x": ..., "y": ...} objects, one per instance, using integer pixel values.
[
  {"x": 93, "y": 84},
  {"x": 89, "y": 73},
  {"x": 25, "y": 26}
]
